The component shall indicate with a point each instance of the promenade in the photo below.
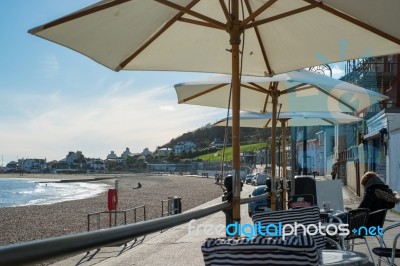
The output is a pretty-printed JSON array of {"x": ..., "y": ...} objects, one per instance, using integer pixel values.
[{"x": 176, "y": 247}]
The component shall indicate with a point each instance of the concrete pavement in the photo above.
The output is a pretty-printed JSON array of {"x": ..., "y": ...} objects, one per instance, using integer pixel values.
[{"x": 176, "y": 247}]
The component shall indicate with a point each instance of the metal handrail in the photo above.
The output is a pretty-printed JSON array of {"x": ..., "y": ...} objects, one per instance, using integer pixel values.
[
  {"x": 45, "y": 249},
  {"x": 40, "y": 250}
]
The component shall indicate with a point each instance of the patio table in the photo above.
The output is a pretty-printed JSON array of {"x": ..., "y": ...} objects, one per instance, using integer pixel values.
[{"x": 343, "y": 257}]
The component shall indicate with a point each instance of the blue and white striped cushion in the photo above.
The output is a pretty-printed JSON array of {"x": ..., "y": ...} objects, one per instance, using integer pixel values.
[
  {"x": 304, "y": 216},
  {"x": 294, "y": 250}
]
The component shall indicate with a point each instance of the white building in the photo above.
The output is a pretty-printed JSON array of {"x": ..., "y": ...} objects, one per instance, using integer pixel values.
[
  {"x": 96, "y": 165},
  {"x": 127, "y": 153},
  {"x": 162, "y": 152},
  {"x": 184, "y": 146},
  {"x": 73, "y": 156},
  {"x": 12, "y": 166},
  {"x": 32, "y": 165}
]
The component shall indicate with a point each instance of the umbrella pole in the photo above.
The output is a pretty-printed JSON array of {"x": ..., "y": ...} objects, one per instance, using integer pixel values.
[
  {"x": 235, "y": 31},
  {"x": 273, "y": 144},
  {"x": 284, "y": 192}
]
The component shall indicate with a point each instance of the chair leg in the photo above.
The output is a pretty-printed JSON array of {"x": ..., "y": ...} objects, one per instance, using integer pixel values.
[{"x": 369, "y": 250}]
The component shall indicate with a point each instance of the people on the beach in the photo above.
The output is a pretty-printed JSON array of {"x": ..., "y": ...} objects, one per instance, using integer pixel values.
[
  {"x": 377, "y": 195},
  {"x": 138, "y": 186}
]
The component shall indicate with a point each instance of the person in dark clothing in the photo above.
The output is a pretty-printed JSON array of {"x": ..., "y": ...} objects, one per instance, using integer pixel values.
[
  {"x": 335, "y": 170},
  {"x": 377, "y": 195}
]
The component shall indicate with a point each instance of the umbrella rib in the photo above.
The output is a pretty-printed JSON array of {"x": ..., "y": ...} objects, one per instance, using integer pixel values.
[
  {"x": 199, "y": 23},
  {"x": 354, "y": 21},
  {"x": 337, "y": 99},
  {"x": 266, "y": 124},
  {"x": 202, "y": 93},
  {"x": 280, "y": 16},
  {"x": 265, "y": 104},
  {"x": 303, "y": 86},
  {"x": 328, "y": 121},
  {"x": 253, "y": 15},
  {"x": 255, "y": 88},
  {"x": 156, "y": 35},
  {"x": 187, "y": 10},
  {"x": 226, "y": 11},
  {"x": 262, "y": 47},
  {"x": 297, "y": 88},
  {"x": 260, "y": 88}
]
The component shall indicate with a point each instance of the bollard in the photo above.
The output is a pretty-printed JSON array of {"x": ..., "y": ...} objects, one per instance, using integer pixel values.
[{"x": 175, "y": 205}]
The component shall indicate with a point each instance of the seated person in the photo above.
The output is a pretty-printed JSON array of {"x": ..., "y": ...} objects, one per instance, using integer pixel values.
[{"x": 377, "y": 195}]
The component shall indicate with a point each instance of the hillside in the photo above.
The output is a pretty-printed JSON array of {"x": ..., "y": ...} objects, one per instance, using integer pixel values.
[{"x": 203, "y": 136}]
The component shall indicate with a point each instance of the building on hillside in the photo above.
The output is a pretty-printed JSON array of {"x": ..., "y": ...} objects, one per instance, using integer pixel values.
[
  {"x": 12, "y": 166},
  {"x": 112, "y": 156},
  {"x": 184, "y": 146},
  {"x": 164, "y": 152},
  {"x": 96, "y": 165},
  {"x": 32, "y": 165},
  {"x": 127, "y": 153},
  {"x": 217, "y": 143},
  {"x": 146, "y": 152},
  {"x": 74, "y": 157}
]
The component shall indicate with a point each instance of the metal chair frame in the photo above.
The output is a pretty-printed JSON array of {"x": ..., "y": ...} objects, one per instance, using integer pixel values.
[
  {"x": 393, "y": 251},
  {"x": 357, "y": 218}
]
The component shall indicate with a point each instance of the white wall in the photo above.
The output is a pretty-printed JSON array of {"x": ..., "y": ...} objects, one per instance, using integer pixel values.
[{"x": 393, "y": 167}]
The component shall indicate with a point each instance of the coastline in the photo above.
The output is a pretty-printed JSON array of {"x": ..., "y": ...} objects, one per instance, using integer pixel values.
[{"x": 27, "y": 223}]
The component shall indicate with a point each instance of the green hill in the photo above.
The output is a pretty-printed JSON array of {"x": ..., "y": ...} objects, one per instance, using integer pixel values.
[
  {"x": 217, "y": 156},
  {"x": 203, "y": 136}
]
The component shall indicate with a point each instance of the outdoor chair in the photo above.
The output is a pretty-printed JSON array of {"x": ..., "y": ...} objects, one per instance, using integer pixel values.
[
  {"x": 304, "y": 185},
  {"x": 357, "y": 220},
  {"x": 386, "y": 253},
  {"x": 260, "y": 250},
  {"x": 375, "y": 219},
  {"x": 305, "y": 216}
]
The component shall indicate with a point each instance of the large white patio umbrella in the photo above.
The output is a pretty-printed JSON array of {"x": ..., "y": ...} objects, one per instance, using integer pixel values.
[
  {"x": 293, "y": 119},
  {"x": 290, "y": 119},
  {"x": 254, "y": 37},
  {"x": 295, "y": 91}
]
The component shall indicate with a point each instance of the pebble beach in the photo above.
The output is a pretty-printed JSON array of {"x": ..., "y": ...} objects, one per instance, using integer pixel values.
[{"x": 27, "y": 223}]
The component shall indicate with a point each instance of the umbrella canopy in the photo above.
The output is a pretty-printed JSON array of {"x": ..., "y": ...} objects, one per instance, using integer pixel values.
[
  {"x": 294, "y": 119},
  {"x": 192, "y": 35},
  {"x": 297, "y": 91},
  {"x": 207, "y": 36}
]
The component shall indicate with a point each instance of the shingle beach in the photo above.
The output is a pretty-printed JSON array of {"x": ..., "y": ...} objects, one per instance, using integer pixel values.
[{"x": 20, "y": 224}]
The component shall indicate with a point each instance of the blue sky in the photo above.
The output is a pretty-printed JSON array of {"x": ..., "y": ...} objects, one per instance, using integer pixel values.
[{"x": 54, "y": 100}]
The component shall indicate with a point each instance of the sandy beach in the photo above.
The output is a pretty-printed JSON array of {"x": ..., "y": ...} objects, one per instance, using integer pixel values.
[{"x": 20, "y": 224}]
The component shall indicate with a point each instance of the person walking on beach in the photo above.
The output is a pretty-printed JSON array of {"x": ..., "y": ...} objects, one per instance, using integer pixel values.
[{"x": 335, "y": 170}]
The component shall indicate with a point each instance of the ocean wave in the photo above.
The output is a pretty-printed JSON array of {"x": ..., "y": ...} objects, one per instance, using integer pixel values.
[{"x": 27, "y": 193}]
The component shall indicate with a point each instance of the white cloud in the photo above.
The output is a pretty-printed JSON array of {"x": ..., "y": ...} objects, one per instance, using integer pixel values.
[
  {"x": 337, "y": 71},
  {"x": 120, "y": 118}
]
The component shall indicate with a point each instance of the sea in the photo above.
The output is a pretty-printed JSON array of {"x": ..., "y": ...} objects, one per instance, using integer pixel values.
[{"x": 25, "y": 192}]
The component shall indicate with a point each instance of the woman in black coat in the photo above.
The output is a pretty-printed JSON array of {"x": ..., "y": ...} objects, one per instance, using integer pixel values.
[{"x": 377, "y": 195}]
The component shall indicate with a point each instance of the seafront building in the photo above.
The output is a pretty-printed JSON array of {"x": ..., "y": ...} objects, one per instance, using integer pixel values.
[{"x": 370, "y": 145}]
